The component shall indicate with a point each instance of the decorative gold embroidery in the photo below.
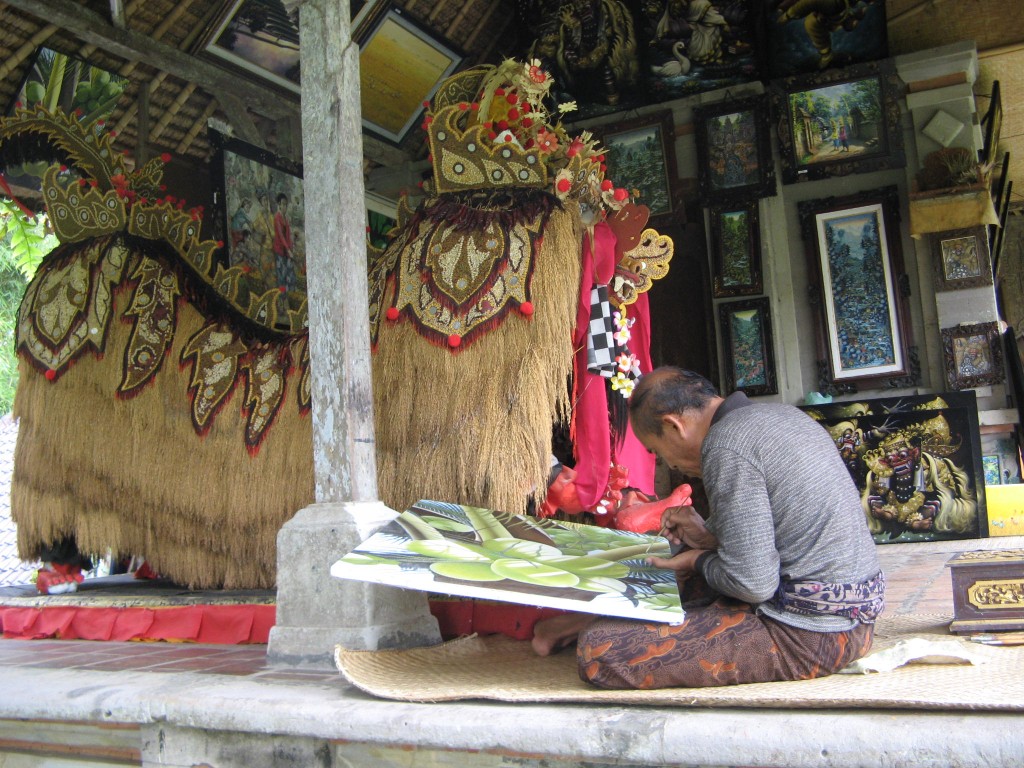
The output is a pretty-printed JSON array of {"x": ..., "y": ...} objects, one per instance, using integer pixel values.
[
  {"x": 153, "y": 307},
  {"x": 264, "y": 390},
  {"x": 215, "y": 350},
  {"x": 300, "y": 352},
  {"x": 69, "y": 305},
  {"x": 78, "y": 212},
  {"x": 995, "y": 556}
]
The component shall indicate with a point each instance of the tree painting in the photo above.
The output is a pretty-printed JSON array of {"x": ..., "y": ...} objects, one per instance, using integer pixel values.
[
  {"x": 864, "y": 315},
  {"x": 732, "y": 150},
  {"x": 636, "y": 161},
  {"x": 736, "y": 256},
  {"x": 748, "y": 354},
  {"x": 838, "y": 122}
]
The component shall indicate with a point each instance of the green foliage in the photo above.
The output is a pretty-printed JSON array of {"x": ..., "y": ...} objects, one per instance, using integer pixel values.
[{"x": 23, "y": 244}]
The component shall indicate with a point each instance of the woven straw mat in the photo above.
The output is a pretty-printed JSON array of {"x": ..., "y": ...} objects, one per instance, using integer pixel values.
[{"x": 497, "y": 667}]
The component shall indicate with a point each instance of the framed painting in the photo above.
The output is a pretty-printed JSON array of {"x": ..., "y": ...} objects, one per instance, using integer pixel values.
[
  {"x": 962, "y": 259},
  {"x": 973, "y": 355},
  {"x": 800, "y": 38},
  {"x": 261, "y": 205},
  {"x": 993, "y": 469},
  {"x": 640, "y": 156},
  {"x": 747, "y": 340},
  {"x": 734, "y": 158},
  {"x": 855, "y": 268},
  {"x": 885, "y": 439},
  {"x": 736, "y": 250},
  {"x": 261, "y": 37},
  {"x": 839, "y": 122},
  {"x": 401, "y": 64}
]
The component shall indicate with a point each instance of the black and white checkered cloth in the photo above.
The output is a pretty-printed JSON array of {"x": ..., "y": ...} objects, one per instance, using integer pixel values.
[{"x": 601, "y": 338}]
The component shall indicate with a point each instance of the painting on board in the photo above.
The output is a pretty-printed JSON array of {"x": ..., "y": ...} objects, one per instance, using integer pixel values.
[
  {"x": 749, "y": 354},
  {"x": 805, "y": 36},
  {"x": 736, "y": 250},
  {"x": 467, "y": 551},
  {"x": 641, "y": 156},
  {"x": 261, "y": 36},
  {"x": 733, "y": 150}
]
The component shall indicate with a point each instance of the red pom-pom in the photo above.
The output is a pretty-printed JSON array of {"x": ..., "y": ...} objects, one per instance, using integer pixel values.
[
  {"x": 463, "y": 106},
  {"x": 475, "y": 106},
  {"x": 426, "y": 105},
  {"x": 512, "y": 99},
  {"x": 606, "y": 185},
  {"x": 499, "y": 92},
  {"x": 508, "y": 137},
  {"x": 564, "y": 185},
  {"x": 526, "y": 308},
  {"x": 621, "y": 194},
  {"x": 50, "y": 374},
  {"x": 113, "y": 134},
  {"x": 527, "y": 122},
  {"x": 492, "y": 135},
  {"x": 282, "y": 288},
  {"x": 513, "y": 114},
  {"x": 166, "y": 157},
  {"x": 454, "y": 341},
  {"x": 392, "y": 314},
  {"x": 63, "y": 168},
  {"x": 220, "y": 243},
  {"x": 503, "y": 125}
]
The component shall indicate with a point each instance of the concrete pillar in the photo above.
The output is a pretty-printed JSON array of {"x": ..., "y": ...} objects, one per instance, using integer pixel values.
[{"x": 314, "y": 610}]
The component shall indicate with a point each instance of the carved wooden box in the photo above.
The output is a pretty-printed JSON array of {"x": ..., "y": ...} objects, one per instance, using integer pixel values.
[{"x": 988, "y": 591}]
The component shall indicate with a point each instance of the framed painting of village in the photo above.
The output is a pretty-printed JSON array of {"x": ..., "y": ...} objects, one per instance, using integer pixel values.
[
  {"x": 973, "y": 355},
  {"x": 259, "y": 37},
  {"x": 734, "y": 159},
  {"x": 640, "y": 156},
  {"x": 839, "y": 122},
  {"x": 261, "y": 205},
  {"x": 962, "y": 259},
  {"x": 855, "y": 269},
  {"x": 746, "y": 331},
  {"x": 736, "y": 250}
]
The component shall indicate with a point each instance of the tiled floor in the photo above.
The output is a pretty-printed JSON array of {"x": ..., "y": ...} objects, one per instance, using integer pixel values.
[{"x": 918, "y": 582}]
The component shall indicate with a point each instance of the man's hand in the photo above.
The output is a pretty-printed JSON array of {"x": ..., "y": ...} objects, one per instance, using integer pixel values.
[
  {"x": 684, "y": 563},
  {"x": 682, "y": 525}
]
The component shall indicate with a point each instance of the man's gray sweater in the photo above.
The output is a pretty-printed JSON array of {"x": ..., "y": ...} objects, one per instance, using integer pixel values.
[{"x": 783, "y": 506}]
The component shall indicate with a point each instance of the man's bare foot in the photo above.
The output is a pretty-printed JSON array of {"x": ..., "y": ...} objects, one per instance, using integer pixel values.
[{"x": 552, "y": 635}]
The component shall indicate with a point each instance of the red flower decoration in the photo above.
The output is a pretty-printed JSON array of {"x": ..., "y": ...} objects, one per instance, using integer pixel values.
[
  {"x": 50, "y": 374},
  {"x": 392, "y": 314},
  {"x": 166, "y": 157},
  {"x": 526, "y": 308},
  {"x": 537, "y": 74},
  {"x": 454, "y": 341},
  {"x": 564, "y": 185}
]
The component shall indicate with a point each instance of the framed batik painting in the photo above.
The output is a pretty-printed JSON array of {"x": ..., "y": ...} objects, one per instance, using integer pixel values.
[
  {"x": 736, "y": 250},
  {"x": 734, "y": 158},
  {"x": 973, "y": 355},
  {"x": 962, "y": 259},
  {"x": 746, "y": 330},
  {"x": 856, "y": 268},
  {"x": 640, "y": 157},
  {"x": 839, "y": 122}
]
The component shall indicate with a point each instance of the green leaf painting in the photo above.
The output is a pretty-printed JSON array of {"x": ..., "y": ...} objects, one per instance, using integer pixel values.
[{"x": 472, "y": 552}]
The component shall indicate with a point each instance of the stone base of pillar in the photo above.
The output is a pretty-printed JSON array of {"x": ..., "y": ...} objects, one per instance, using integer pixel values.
[{"x": 316, "y": 611}]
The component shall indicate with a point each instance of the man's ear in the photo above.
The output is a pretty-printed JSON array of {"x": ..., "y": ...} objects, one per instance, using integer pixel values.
[{"x": 674, "y": 424}]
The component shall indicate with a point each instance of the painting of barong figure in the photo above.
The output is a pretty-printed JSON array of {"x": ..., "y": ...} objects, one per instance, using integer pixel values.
[
  {"x": 859, "y": 301},
  {"x": 918, "y": 471},
  {"x": 838, "y": 123},
  {"x": 455, "y": 549}
]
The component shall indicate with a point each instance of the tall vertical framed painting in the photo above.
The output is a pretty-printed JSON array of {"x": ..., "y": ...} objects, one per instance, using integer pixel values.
[
  {"x": 734, "y": 158},
  {"x": 640, "y": 156},
  {"x": 856, "y": 268},
  {"x": 839, "y": 122},
  {"x": 746, "y": 330},
  {"x": 261, "y": 205},
  {"x": 802, "y": 38},
  {"x": 259, "y": 36},
  {"x": 736, "y": 250}
]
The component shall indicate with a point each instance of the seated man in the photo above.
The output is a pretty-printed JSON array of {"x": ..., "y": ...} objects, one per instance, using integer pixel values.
[{"x": 782, "y": 583}]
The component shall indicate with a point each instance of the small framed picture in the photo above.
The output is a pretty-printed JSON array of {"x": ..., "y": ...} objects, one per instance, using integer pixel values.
[
  {"x": 736, "y": 250},
  {"x": 993, "y": 469},
  {"x": 962, "y": 259},
  {"x": 259, "y": 37},
  {"x": 973, "y": 355},
  {"x": 734, "y": 158},
  {"x": 640, "y": 155},
  {"x": 747, "y": 339}
]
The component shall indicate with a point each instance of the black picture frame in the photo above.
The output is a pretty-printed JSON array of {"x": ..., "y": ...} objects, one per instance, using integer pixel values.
[
  {"x": 839, "y": 122},
  {"x": 640, "y": 155},
  {"x": 860, "y": 300},
  {"x": 734, "y": 157},
  {"x": 736, "y": 250},
  {"x": 749, "y": 350}
]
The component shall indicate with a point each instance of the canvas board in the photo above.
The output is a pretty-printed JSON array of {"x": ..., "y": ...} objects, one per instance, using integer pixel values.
[{"x": 465, "y": 551}]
